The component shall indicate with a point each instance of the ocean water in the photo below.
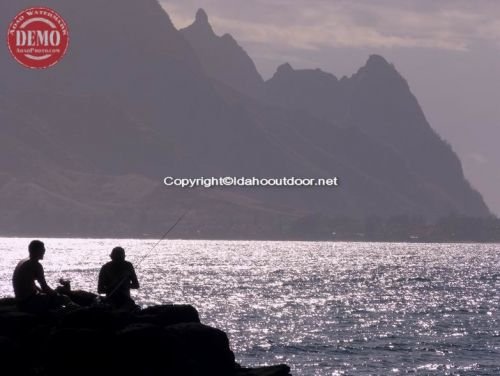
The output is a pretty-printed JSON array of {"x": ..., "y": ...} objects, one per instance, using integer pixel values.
[{"x": 322, "y": 308}]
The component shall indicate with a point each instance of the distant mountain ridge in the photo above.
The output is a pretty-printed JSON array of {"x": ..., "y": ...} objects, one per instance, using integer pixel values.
[
  {"x": 378, "y": 101},
  {"x": 86, "y": 144}
]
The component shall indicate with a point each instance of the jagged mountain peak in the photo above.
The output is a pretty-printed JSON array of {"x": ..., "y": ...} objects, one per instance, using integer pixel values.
[
  {"x": 284, "y": 69},
  {"x": 201, "y": 23},
  {"x": 223, "y": 59},
  {"x": 378, "y": 65},
  {"x": 377, "y": 60},
  {"x": 286, "y": 73},
  {"x": 229, "y": 38},
  {"x": 201, "y": 17}
]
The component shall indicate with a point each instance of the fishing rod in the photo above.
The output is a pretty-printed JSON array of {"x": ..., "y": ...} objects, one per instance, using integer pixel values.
[
  {"x": 149, "y": 252},
  {"x": 162, "y": 238}
]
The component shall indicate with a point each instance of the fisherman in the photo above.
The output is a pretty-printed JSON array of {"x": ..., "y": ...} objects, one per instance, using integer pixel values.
[
  {"x": 29, "y": 296},
  {"x": 116, "y": 279}
]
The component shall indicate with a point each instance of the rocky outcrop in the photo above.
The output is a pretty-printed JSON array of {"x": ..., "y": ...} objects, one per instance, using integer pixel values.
[
  {"x": 95, "y": 340},
  {"x": 222, "y": 57}
]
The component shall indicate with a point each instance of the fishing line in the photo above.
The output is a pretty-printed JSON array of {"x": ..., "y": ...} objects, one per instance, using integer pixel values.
[{"x": 161, "y": 239}]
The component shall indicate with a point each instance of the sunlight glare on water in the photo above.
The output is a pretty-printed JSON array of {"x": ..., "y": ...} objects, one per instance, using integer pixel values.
[{"x": 322, "y": 308}]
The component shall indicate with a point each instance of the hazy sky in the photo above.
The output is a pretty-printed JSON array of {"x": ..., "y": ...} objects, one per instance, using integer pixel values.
[{"x": 448, "y": 50}]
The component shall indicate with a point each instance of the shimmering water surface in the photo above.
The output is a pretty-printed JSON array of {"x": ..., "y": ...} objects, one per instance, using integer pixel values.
[{"x": 322, "y": 308}]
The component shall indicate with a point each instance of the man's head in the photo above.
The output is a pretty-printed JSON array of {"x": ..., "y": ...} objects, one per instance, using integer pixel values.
[
  {"x": 36, "y": 250},
  {"x": 117, "y": 254}
]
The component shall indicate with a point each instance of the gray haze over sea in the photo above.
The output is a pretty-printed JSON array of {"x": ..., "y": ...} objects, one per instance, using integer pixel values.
[{"x": 322, "y": 308}]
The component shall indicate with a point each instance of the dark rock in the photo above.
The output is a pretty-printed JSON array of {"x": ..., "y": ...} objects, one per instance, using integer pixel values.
[
  {"x": 207, "y": 348},
  {"x": 8, "y": 305},
  {"x": 82, "y": 298},
  {"x": 7, "y": 302},
  {"x": 187, "y": 349},
  {"x": 281, "y": 370},
  {"x": 155, "y": 349},
  {"x": 91, "y": 318},
  {"x": 96, "y": 340},
  {"x": 17, "y": 324},
  {"x": 83, "y": 351},
  {"x": 7, "y": 348},
  {"x": 169, "y": 315}
]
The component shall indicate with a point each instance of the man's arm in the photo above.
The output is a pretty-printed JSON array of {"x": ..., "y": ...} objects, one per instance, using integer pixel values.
[
  {"x": 101, "y": 284},
  {"x": 40, "y": 277},
  {"x": 134, "y": 282}
]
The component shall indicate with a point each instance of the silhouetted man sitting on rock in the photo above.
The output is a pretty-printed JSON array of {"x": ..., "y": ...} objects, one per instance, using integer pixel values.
[
  {"x": 116, "y": 278},
  {"x": 29, "y": 296}
]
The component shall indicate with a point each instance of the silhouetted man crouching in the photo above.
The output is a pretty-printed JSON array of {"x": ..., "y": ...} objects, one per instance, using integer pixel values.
[
  {"x": 116, "y": 278},
  {"x": 29, "y": 296}
]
